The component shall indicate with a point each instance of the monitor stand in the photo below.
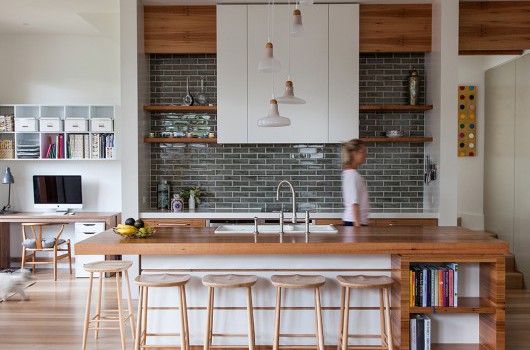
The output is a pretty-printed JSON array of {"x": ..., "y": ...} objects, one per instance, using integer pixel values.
[{"x": 58, "y": 212}]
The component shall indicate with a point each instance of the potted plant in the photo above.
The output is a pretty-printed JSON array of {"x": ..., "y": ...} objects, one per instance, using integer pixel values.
[{"x": 193, "y": 194}]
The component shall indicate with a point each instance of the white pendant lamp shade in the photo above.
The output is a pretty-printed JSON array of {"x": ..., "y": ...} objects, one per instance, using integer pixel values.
[
  {"x": 273, "y": 118},
  {"x": 289, "y": 97},
  {"x": 297, "y": 29},
  {"x": 269, "y": 64},
  {"x": 307, "y": 2}
]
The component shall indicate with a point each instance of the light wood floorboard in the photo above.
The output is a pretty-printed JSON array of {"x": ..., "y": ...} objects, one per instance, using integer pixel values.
[{"x": 53, "y": 317}]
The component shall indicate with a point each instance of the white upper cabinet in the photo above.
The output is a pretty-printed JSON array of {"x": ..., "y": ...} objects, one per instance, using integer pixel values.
[{"x": 324, "y": 69}]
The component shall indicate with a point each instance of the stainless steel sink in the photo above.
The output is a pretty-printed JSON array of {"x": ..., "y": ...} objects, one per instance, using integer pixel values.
[{"x": 275, "y": 229}]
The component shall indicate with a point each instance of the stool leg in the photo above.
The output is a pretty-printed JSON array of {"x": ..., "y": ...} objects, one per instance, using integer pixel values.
[
  {"x": 346, "y": 319},
  {"x": 209, "y": 319},
  {"x": 120, "y": 320},
  {"x": 184, "y": 306},
  {"x": 70, "y": 256},
  {"x": 144, "y": 315},
  {"x": 384, "y": 340},
  {"x": 341, "y": 318},
  {"x": 182, "y": 322},
  {"x": 277, "y": 319},
  {"x": 139, "y": 324},
  {"x": 389, "y": 337},
  {"x": 87, "y": 311},
  {"x": 129, "y": 303},
  {"x": 23, "y": 264},
  {"x": 319, "y": 319},
  {"x": 98, "y": 308},
  {"x": 54, "y": 262},
  {"x": 250, "y": 315}
]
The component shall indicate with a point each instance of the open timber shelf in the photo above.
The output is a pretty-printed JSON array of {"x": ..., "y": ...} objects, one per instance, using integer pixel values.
[
  {"x": 397, "y": 139},
  {"x": 166, "y": 108},
  {"x": 395, "y": 107},
  {"x": 180, "y": 140},
  {"x": 466, "y": 305}
]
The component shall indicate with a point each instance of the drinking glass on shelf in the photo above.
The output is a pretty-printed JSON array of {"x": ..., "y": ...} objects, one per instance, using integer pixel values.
[{"x": 202, "y": 100}]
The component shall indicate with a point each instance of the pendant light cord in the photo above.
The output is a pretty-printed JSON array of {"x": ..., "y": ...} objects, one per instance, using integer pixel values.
[
  {"x": 269, "y": 21},
  {"x": 289, "y": 39}
]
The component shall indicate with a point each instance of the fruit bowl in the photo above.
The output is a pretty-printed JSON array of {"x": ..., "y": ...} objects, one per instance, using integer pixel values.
[{"x": 136, "y": 233}]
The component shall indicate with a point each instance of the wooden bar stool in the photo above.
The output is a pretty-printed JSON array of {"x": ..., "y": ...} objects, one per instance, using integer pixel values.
[
  {"x": 298, "y": 282},
  {"x": 35, "y": 243},
  {"x": 161, "y": 281},
  {"x": 117, "y": 267},
  {"x": 383, "y": 284},
  {"x": 229, "y": 281}
]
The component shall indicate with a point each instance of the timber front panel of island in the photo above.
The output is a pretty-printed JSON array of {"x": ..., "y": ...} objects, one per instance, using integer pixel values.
[
  {"x": 405, "y": 245},
  {"x": 110, "y": 219}
]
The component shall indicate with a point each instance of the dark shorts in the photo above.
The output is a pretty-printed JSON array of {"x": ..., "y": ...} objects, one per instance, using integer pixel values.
[{"x": 349, "y": 223}]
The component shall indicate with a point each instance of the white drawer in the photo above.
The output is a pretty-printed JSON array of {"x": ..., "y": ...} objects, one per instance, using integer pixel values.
[
  {"x": 75, "y": 125},
  {"x": 26, "y": 124},
  {"x": 89, "y": 227},
  {"x": 101, "y": 125},
  {"x": 51, "y": 124}
]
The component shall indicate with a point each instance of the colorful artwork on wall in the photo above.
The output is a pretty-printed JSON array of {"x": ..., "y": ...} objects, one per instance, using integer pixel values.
[{"x": 467, "y": 121}]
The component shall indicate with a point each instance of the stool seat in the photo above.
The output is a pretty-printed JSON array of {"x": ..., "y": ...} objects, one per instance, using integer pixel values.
[
  {"x": 229, "y": 281},
  {"x": 297, "y": 281},
  {"x": 161, "y": 280},
  {"x": 108, "y": 266},
  {"x": 362, "y": 281}
]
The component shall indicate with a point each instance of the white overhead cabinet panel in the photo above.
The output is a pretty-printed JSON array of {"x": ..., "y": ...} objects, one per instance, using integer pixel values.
[
  {"x": 309, "y": 73},
  {"x": 324, "y": 70},
  {"x": 232, "y": 74}
]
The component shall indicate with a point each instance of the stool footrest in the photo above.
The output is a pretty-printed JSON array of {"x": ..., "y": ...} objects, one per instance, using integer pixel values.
[
  {"x": 229, "y": 335},
  {"x": 161, "y": 346},
  {"x": 162, "y": 334},
  {"x": 299, "y": 335},
  {"x": 378, "y": 336}
]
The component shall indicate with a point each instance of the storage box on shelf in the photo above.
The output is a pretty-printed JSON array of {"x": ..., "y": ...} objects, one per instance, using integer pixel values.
[{"x": 56, "y": 132}]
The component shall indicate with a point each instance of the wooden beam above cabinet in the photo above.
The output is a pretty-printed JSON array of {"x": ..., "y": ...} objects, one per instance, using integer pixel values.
[
  {"x": 395, "y": 28},
  {"x": 180, "y": 29},
  {"x": 494, "y": 27}
]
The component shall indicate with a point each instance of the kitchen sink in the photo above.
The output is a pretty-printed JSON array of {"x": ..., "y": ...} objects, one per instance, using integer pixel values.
[{"x": 275, "y": 229}]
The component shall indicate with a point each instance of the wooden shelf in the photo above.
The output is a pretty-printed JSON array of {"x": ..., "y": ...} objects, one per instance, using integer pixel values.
[
  {"x": 395, "y": 107},
  {"x": 466, "y": 305},
  {"x": 180, "y": 140},
  {"x": 457, "y": 347},
  {"x": 203, "y": 109},
  {"x": 396, "y": 139}
]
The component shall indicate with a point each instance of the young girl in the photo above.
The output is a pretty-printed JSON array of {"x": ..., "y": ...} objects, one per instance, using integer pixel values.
[{"x": 355, "y": 195}]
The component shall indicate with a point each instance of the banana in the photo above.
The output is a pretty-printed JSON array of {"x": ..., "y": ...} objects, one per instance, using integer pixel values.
[
  {"x": 124, "y": 226},
  {"x": 126, "y": 230}
]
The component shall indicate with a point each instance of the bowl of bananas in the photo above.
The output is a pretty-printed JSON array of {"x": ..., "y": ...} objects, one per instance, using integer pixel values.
[{"x": 129, "y": 231}]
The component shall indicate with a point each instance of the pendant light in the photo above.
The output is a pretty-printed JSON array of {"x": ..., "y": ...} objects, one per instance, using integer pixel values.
[
  {"x": 269, "y": 63},
  {"x": 288, "y": 95},
  {"x": 297, "y": 29},
  {"x": 273, "y": 118}
]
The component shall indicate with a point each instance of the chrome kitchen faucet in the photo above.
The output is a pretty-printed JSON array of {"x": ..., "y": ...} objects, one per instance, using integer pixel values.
[{"x": 292, "y": 192}]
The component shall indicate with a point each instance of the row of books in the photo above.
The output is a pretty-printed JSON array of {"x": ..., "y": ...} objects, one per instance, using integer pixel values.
[
  {"x": 55, "y": 147},
  {"x": 420, "y": 332},
  {"x": 78, "y": 146},
  {"x": 102, "y": 146},
  {"x": 434, "y": 285},
  {"x": 7, "y": 123}
]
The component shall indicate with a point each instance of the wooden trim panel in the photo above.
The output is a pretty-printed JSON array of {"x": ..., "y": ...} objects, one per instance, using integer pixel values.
[
  {"x": 175, "y": 223},
  {"x": 395, "y": 28},
  {"x": 494, "y": 26},
  {"x": 385, "y": 222},
  {"x": 180, "y": 29}
]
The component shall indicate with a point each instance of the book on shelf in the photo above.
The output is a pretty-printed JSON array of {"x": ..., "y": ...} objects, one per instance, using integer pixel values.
[
  {"x": 434, "y": 285},
  {"x": 420, "y": 332},
  {"x": 102, "y": 146}
]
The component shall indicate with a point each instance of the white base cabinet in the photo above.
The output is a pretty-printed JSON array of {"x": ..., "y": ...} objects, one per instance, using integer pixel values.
[
  {"x": 324, "y": 67},
  {"x": 84, "y": 230}
]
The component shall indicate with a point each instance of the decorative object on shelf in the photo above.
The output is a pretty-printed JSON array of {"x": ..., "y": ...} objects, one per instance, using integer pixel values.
[
  {"x": 188, "y": 99},
  {"x": 177, "y": 204},
  {"x": 194, "y": 195},
  {"x": 288, "y": 96},
  {"x": 431, "y": 171},
  {"x": 467, "y": 121},
  {"x": 202, "y": 100},
  {"x": 414, "y": 85},
  {"x": 191, "y": 200},
  {"x": 269, "y": 64},
  {"x": 163, "y": 195},
  {"x": 394, "y": 133},
  {"x": 8, "y": 180}
]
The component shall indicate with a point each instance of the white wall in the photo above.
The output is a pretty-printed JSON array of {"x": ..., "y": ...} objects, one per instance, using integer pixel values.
[{"x": 62, "y": 69}]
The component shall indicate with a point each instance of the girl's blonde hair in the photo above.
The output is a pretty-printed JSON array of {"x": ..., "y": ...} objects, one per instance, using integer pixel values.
[{"x": 349, "y": 147}]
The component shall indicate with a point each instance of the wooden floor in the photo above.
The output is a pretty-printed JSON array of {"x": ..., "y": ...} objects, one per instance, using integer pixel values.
[{"x": 53, "y": 317}]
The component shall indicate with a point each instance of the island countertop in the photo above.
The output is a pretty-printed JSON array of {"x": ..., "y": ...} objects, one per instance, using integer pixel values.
[{"x": 405, "y": 240}]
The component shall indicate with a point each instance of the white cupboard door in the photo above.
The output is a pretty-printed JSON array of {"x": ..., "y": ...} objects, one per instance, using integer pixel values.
[
  {"x": 309, "y": 73},
  {"x": 343, "y": 72},
  {"x": 232, "y": 73}
]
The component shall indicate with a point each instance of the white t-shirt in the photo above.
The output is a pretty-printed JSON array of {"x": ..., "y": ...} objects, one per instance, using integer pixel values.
[{"x": 354, "y": 192}]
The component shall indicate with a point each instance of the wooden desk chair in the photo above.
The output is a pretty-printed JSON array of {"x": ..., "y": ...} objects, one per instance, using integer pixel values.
[{"x": 36, "y": 244}]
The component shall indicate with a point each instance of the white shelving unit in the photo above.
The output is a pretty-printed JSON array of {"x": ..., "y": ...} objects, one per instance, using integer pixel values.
[{"x": 80, "y": 132}]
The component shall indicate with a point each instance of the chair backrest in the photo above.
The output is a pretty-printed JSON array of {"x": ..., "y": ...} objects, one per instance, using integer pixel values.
[{"x": 37, "y": 236}]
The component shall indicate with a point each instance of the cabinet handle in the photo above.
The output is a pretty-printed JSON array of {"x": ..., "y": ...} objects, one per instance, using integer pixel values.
[
  {"x": 89, "y": 224},
  {"x": 49, "y": 125},
  {"x": 75, "y": 125},
  {"x": 89, "y": 233},
  {"x": 101, "y": 125},
  {"x": 180, "y": 224},
  {"x": 25, "y": 126}
]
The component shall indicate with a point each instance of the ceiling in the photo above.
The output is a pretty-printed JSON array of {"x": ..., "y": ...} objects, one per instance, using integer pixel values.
[{"x": 79, "y": 17}]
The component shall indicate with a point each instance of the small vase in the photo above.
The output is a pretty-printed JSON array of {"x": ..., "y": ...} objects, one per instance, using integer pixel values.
[
  {"x": 176, "y": 203},
  {"x": 191, "y": 201},
  {"x": 414, "y": 82}
]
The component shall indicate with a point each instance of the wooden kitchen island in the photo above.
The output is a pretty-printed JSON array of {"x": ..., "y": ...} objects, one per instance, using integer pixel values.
[{"x": 477, "y": 323}]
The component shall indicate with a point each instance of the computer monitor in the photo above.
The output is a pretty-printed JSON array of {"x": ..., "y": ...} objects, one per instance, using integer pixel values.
[{"x": 61, "y": 192}]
